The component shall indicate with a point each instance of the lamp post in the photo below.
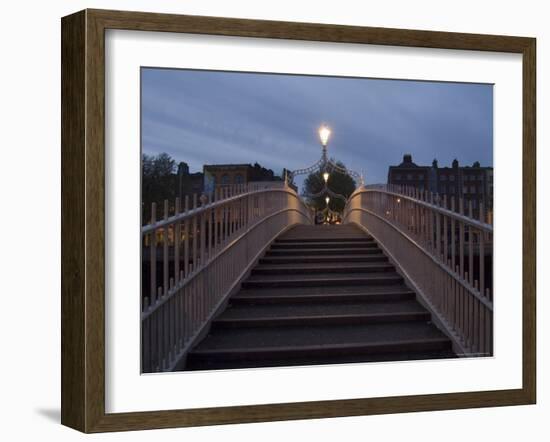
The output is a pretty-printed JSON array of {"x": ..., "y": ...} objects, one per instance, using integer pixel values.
[
  {"x": 327, "y": 218},
  {"x": 324, "y": 134},
  {"x": 324, "y": 164}
]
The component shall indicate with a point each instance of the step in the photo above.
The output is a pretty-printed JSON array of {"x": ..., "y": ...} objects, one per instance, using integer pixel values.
[
  {"x": 335, "y": 279},
  {"x": 321, "y": 313},
  {"x": 322, "y": 268},
  {"x": 320, "y": 340},
  {"x": 320, "y": 309},
  {"x": 326, "y": 237},
  {"x": 331, "y": 251},
  {"x": 322, "y": 259},
  {"x": 340, "y": 229},
  {"x": 283, "y": 240},
  {"x": 325, "y": 245},
  {"x": 322, "y": 320},
  {"x": 199, "y": 363},
  {"x": 339, "y": 294}
]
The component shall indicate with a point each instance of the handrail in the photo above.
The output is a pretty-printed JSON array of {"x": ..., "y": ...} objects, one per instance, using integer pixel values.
[
  {"x": 438, "y": 263},
  {"x": 198, "y": 255},
  {"x": 486, "y": 227},
  {"x": 151, "y": 308},
  {"x": 212, "y": 205},
  {"x": 445, "y": 253}
]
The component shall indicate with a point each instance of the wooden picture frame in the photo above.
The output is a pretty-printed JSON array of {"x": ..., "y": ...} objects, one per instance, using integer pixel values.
[{"x": 83, "y": 218}]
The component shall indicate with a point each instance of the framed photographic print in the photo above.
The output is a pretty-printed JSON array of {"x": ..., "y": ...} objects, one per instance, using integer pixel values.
[{"x": 270, "y": 220}]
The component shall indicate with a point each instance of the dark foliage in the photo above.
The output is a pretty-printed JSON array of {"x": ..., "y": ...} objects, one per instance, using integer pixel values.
[{"x": 338, "y": 182}]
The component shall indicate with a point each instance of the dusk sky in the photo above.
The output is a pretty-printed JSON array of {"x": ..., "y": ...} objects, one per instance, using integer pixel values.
[{"x": 208, "y": 117}]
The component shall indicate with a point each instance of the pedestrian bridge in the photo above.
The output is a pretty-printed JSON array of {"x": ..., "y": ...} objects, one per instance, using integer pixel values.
[{"x": 245, "y": 279}]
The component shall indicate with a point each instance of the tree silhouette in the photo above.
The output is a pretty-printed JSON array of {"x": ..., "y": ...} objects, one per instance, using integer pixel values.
[
  {"x": 338, "y": 182},
  {"x": 158, "y": 183}
]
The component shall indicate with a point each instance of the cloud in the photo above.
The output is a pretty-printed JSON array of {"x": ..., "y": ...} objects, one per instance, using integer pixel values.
[{"x": 217, "y": 117}]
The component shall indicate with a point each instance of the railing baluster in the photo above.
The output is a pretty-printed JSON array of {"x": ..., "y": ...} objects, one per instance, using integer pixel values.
[
  {"x": 445, "y": 233},
  {"x": 177, "y": 241},
  {"x": 160, "y": 333},
  {"x": 438, "y": 235},
  {"x": 194, "y": 229},
  {"x": 153, "y": 255},
  {"x": 489, "y": 326},
  {"x": 216, "y": 223},
  {"x": 146, "y": 340},
  {"x": 470, "y": 246},
  {"x": 186, "y": 239},
  {"x": 453, "y": 236},
  {"x": 165, "y": 244},
  {"x": 481, "y": 254},
  {"x": 461, "y": 242},
  {"x": 203, "y": 233}
]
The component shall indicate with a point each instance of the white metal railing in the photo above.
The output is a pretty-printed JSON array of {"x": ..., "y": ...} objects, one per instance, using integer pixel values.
[
  {"x": 442, "y": 249},
  {"x": 195, "y": 258}
]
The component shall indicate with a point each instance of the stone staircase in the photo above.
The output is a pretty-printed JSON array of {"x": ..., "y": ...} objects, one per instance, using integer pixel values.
[{"x": 320, "y": 295}]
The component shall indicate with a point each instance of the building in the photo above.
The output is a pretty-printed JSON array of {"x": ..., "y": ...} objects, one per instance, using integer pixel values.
[
  {"x": 410, "y": 174},
  {"x": 219, "y": 175},
  {"x": 189, "y": 183},
  {"x": 471, "y": 183}
]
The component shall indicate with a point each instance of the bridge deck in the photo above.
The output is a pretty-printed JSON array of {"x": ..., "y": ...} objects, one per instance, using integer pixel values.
[{"x": 320, "y": 295}]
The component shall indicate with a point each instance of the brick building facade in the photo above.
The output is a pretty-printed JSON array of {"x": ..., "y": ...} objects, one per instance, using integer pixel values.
[{"x": 471, "y": 183}]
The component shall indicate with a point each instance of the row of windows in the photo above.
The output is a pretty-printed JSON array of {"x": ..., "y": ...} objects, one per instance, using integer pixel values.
[
  {"x": 444, "y": 177},
  {"x": 239, "y": 179},
  {"x": 465, "y": 189},
  {"x": 451, "y": 189},
  {"x": 473, "y": 177},
  {"x": 409, "y": 176},
  {"x": 464, "y": 177}
]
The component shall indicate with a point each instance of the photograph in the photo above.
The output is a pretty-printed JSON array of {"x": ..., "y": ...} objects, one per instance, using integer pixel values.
[
  {"x": 273, "y": 219},
  {"x": 299, "y": 220}
]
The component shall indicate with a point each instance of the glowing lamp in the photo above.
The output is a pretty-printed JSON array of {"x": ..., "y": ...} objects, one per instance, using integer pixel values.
[{"x": 324, "y": 134}]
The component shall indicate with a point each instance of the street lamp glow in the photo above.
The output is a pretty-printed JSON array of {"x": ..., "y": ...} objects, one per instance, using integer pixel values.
[
  {"x": 324, "y": 134},
  {"x": 325, "y": 177},
  {"x": 327, "y": 199}
]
